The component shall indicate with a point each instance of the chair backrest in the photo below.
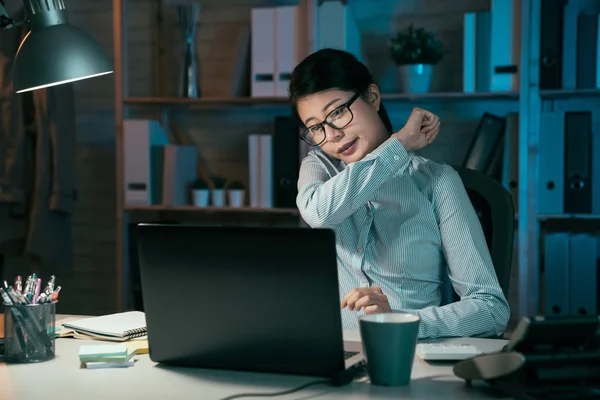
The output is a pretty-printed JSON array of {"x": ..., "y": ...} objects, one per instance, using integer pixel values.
[{"x": 494, "y": 207}]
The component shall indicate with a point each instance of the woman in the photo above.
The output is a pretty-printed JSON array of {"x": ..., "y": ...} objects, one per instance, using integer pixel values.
[{"x": 401, "y": 221}]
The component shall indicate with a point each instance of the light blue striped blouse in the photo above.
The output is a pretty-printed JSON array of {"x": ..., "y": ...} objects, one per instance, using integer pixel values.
[{"x": 401, "y": 222}]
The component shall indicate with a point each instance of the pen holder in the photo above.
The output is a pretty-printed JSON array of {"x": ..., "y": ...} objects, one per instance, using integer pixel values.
[{"x": 29, "y": 334}]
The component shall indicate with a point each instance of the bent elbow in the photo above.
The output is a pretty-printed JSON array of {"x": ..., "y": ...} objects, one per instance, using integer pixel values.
[
  {"x": 500, "y": 310},
  {"x": 311, "y": 212},
  {"x": 311, "y": 216}
]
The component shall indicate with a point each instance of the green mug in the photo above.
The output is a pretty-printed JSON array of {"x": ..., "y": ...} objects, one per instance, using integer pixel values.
[{"x": 389, "y": 342}]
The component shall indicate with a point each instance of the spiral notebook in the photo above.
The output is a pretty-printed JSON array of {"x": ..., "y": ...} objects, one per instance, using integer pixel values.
[{"x": 115, "y": 327}]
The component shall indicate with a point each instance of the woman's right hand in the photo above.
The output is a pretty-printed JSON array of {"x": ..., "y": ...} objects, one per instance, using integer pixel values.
[{"x": 420, "y": 130}]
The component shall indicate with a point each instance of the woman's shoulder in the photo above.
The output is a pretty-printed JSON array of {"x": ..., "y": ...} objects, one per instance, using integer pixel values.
[
  {"x": 319, "y": 159},
  {"x": 427, "y": 166}
]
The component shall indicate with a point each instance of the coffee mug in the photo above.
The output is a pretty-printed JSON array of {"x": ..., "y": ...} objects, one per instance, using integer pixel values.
[{"x": 389, "y": 342}]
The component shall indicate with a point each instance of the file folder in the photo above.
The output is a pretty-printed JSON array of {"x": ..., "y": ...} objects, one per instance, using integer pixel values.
[
  {"x": 141, "y": 175},
  {"x": 288, "y": 47},
  {"x": 263, "y": 52}
]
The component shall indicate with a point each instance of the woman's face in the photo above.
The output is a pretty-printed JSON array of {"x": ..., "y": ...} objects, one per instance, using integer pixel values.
[{"x": 352, "y": 142}]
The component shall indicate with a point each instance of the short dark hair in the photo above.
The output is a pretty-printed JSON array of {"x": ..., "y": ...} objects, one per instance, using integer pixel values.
[{"x": 331, "y": 69}]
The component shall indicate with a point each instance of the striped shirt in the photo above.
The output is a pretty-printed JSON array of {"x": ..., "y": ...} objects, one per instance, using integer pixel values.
[{"x": 402, "y": 222}]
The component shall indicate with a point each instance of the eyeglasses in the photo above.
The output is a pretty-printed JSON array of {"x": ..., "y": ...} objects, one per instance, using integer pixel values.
[{"x": 339, "y": 118}]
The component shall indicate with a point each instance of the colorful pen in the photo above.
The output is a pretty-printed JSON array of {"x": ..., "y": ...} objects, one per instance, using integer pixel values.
[
  {"x": 55, "y": 294},
  {"x": 50, "y": 285},
  {"x": 18, "y": 284},
  {"x": 38, "y": 288}
]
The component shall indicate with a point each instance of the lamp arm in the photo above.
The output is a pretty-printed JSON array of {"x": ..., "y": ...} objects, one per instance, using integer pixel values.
[{"x": 5, "y": 21}]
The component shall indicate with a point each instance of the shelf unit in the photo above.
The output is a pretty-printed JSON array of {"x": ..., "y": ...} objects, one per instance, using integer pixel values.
[
  {"x": 292, "y": 211},
  {"x": 529, "y": 101}
]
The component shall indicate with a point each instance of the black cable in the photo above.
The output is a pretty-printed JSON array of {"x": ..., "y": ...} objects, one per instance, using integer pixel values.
[{"x": 280, "y": 393}]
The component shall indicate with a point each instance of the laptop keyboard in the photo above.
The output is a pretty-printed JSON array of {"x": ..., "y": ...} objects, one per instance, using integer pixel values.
[{"x": 348, "y": 354}]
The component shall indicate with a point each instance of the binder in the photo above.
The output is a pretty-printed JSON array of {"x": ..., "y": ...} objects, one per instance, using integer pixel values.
[
  {"x": 506, "y": 42},
  {"x": 287, "y": 47},
  {"x": 286, "y": 162},
  {"x": 254, "y": 169},
  {"x": 551, "y": 160},
  {"x": 486, "y": 142},
  {"x": 180, "y": 171},
  {"x": 476, "y": 52},
  {"x": 266, "y": 171},
  {"x": 569, "y": 45},
  {"x": 557, "y": 286},
  {"x": 510, "y": 165},
  {"x": 578, "y": 163},
  {"x": 141, "y": 177},
  {"x": 337, "y": 28},
  {"x": 551, "y": 50},
  {"x": 586, "y": 51},
  {"x": 263, "y": 52},
  {"x": 260, "y": 160},
  {"x": 595, "y": 149},
  {"x": 583, "y": 257}
]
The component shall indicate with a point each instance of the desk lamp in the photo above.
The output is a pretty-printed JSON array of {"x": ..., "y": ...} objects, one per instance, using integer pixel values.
[{"x": 53, "y": 52}]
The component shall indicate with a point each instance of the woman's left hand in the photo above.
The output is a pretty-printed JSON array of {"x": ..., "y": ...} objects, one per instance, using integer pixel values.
[{"x": 371, "y": 299}]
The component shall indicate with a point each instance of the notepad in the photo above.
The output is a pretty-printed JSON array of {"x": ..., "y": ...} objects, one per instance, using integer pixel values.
[
  {"x": 111, "y": 353},
  {"x": 139, "y": 346},
  {"x": 116, "y": 327},
  {"x": 106, "y": 356},
  {"x": 99, "y": 365}
]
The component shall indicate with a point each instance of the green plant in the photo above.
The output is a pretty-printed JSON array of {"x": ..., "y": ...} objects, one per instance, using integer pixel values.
[
  {"x": 416, "y": 46},
  {"x": 236, "y": 185},
  {"x": 218, "y": 182},
  {"x": 199, "y": 184}
]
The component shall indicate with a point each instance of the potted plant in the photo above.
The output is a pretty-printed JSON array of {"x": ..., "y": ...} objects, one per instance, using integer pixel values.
[
  {"x": 236, "y": 192},
  {"x": 218, "y": 192},
  {"x": 415, "y": 52},
  {"x": 200, "y": 191}
]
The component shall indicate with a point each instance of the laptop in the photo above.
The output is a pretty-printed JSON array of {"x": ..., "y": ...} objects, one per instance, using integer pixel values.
[{"x": 244, "y": 298}]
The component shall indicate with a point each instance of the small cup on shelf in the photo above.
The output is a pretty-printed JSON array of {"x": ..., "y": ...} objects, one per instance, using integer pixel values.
[
  {"x": 237, "y": 194},
  {"x": 218, "y": 192},
  {"x": 200, "y": 193}
]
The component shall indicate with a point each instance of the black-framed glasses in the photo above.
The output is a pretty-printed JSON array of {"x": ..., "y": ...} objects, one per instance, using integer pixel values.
[{"x": 339, "y": 118}]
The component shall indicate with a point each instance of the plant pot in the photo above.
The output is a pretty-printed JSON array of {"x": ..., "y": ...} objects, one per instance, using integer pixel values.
[
  {"x": 415, "y": 78},
  {"x": 218, "y": 197},
  {"x": 200, "y": 197},
  {"x": 236, "y": 197}
]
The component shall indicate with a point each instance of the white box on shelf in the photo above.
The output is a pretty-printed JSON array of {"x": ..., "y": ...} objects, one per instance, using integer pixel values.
[
  {"x": 142, "y": 171},
  {"x": 260, "y": 160},
  {"x": 337, "y": 29},
  {"x": 263, "y": 52},
  {"x": 288, "y": 46}
]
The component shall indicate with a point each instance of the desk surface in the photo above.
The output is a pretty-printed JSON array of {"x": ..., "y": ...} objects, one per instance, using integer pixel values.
[{"x": 63, "y": 378}]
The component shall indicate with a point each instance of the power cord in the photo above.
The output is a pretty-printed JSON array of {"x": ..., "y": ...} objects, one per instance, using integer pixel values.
[{"x": 280, "y": 393}]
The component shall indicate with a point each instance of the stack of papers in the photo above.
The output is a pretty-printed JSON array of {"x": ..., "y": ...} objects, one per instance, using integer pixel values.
[{"x": 106, "y": 356}]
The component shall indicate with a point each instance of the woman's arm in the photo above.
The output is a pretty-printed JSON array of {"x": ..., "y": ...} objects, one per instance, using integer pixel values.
[
  {"x": 326, "y": 202},
  {"x": 483, "y": 309}
]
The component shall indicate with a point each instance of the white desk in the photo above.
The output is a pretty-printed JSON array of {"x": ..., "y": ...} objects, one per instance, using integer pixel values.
[{"x": 62, "y": 378}]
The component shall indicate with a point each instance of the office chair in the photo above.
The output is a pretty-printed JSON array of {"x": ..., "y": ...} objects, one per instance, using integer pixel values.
[{"x": 494, "y": 207}]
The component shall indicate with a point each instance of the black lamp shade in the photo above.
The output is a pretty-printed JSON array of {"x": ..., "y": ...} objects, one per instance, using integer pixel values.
[{"x": 57, "y": 54}]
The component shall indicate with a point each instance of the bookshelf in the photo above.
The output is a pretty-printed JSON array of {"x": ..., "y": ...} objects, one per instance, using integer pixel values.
[
  {"x": 388, "y": 97},
  {"x": 194, "y": 209},
  {"x": 529, "y": 101}
]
